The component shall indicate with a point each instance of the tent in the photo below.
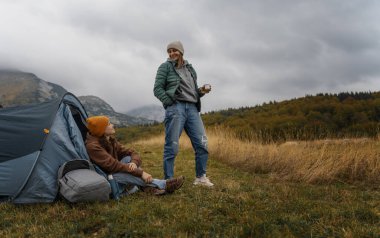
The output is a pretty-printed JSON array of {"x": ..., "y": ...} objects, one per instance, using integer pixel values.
[{"x": 34, "y": 141}]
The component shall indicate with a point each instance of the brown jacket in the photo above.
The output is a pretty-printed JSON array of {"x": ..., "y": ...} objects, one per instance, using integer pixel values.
[{"x": 108, "y": 159}]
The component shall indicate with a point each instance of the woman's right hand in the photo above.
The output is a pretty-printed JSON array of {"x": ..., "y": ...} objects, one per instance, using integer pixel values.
[
  {"x": 131, "y": 167},
  {"x": 147, "y": 177}
]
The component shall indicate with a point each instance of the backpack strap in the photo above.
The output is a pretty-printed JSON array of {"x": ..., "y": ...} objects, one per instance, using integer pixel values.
[{"x": 73, "y": 165}]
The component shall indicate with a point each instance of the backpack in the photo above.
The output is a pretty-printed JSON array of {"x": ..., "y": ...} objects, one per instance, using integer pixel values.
[{"x": 79, "y": 182}]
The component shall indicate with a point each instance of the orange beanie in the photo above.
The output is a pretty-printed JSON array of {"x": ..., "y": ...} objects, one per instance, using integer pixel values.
[{"x": 97, "y": 125}]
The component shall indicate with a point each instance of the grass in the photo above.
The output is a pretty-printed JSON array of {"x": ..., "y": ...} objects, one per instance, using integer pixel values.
[
  {"x": 130, "y": 134},
  {"x": 350, "y": 161},
  {"x": 242, "y": 204}
]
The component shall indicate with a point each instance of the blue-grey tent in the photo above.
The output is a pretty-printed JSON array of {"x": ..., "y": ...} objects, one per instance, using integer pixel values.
[{"x": 34, "y": 141}]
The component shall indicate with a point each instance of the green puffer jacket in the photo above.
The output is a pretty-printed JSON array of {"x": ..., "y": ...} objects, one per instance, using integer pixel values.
[{"x": 168, "y": 81}]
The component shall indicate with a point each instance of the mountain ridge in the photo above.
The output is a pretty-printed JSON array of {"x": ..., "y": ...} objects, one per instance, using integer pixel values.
[
  {"x": 97, "y": 106},
  {"x": 19, "y": 88},
  {"x": 22, "y": 88},
  {"x": 152, "y": 112}
]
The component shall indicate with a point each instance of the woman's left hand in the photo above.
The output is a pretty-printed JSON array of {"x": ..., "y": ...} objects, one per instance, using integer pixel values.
[{"x": 205, "y": 88}]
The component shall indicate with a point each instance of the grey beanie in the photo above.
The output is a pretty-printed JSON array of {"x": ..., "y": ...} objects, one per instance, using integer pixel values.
[{"x": 176, "y": 45}]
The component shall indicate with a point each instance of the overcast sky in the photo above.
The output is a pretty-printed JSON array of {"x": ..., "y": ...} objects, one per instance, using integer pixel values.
[{"x": 249, "y": 51}]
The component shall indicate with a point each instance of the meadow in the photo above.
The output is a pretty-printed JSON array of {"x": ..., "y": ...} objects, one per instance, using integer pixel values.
[
  {"x": 327, "y": 188},
  {"x": 352, "y": 161}
]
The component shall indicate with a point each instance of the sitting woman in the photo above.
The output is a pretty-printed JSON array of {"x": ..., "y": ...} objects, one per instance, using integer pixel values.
[{"x": 112, "y": 157}]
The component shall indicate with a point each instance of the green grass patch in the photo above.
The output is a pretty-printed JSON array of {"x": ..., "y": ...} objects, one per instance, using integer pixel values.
[
  {"x": 240, "y": 205},
  {"x": 134, "y": 133}
]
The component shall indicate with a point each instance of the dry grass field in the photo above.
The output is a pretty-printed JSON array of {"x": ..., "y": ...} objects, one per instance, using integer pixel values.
[{"x": 353, "y": 161}]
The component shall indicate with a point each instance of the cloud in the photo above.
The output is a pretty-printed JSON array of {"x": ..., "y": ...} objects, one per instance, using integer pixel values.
[{"x": 250, "y": 51}]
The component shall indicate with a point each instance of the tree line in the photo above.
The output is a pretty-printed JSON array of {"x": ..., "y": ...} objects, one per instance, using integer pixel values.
[{"x": 347, "y": 114}]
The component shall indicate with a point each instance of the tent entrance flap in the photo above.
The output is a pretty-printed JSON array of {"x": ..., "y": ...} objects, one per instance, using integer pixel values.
[{"x": 80, "y": 121}]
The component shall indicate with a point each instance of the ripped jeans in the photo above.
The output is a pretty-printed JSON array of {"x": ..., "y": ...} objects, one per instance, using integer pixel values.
[{"x": 179, "y": 116}]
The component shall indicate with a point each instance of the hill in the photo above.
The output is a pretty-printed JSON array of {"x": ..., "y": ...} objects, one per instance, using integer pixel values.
[
  {"x": 151, "y": 112},
  {"x": 310, "y": 117},
  {"x": 20, "y": 88},
  {"x": 97, "y": 106}
]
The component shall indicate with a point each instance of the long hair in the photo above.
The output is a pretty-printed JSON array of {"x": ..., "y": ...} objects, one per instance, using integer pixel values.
[{"x": 180, "y": 61}]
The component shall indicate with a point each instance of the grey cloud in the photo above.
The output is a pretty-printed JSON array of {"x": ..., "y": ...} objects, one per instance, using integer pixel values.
[{"x": 250, "y": 51}]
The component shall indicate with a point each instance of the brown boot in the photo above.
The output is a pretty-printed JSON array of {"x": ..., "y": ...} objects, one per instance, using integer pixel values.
[
  {"x": 153, "y": 191},
  {"x": 174, "y": 184}
]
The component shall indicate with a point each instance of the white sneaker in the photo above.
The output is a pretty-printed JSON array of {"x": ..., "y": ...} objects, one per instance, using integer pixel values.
[{"x": 204, "y": 181}]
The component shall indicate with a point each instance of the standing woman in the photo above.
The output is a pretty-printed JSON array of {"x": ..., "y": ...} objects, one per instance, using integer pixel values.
[{"x": 176, "y": 87}]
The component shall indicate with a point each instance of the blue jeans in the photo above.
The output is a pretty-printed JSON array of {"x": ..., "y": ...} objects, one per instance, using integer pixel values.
[
  {"x": 179, "y": 116},
  {"x": 129, "y": 179}
]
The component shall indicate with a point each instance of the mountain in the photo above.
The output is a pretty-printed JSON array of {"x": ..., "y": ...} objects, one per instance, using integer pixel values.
[
  {"x": 19, "y": 88},
  {"x": 151, "y": 112},
  {"x": 96, "y": 106}
]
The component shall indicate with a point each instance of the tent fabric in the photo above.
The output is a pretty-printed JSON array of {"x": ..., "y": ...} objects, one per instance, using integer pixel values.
[
  {"x": 24, "y": 123},
  {"x": 32, "y": 178},
  {"x": 22, "y": 166}
]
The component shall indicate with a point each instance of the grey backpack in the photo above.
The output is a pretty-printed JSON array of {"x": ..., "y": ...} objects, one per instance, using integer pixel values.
[{"x": 79, "y": 182}]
